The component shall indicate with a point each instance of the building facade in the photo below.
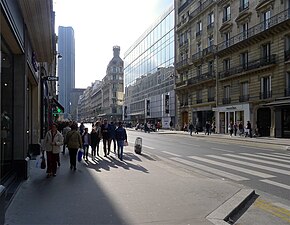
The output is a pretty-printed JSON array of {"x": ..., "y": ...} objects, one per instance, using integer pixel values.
[
  {"x": 149, "y": 75},
  {"x": 250, "y": 57},
  {"x": 27, "y": 59},
  {"x": 66, "y": 67}
]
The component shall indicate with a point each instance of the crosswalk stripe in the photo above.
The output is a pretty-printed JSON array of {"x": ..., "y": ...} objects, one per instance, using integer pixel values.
[
  {"x": 252, "y": 172},
  {"x": 258, "y": 160},
  {"x": 283, "y": 154},
  {"x": 211, "y": 170},
  {"x": 251, "y": 164},
  {"x": 221, "y": 149},
  {"x": 276, "y": 156},
  {"x": 244, "y": 146},
  {"x": 265, "y": 157},
  {"x": 285, "y": 186},
  {"x": 170, "y": 153}
]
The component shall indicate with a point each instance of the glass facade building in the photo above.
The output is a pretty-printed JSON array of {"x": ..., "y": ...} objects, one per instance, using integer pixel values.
[{"x": 149, "y": 74}]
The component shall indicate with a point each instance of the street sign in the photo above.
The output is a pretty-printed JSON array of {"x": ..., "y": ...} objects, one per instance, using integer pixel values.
[{"x": 52, "y": 78}]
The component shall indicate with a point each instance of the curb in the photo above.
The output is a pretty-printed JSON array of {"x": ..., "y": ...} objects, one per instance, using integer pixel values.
[{"x": 224, "y": 213}]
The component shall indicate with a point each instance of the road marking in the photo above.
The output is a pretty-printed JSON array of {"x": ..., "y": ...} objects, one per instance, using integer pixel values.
[
  {"x": 221, "y": 150},
  {"x": 170, "y": 153},
  {"x": 274, "y": 209},
  {"x": 243, "y": 170},
  {"x": 276, "y": 184},
  {"x": 211, "y": 170},
  {"x": 148, "y": 147},
  {"x": 244, "y": 146},
  {"x": 258, "y": 160},
  {"x": 215, "y": 142},
  {"x": 283, "y": 154},
  {"x": 277, "y": 156},
  {"x": 286, "y": 172},
  {"x": 192, "y": 145},
  {"x": 265, "y": 157}
]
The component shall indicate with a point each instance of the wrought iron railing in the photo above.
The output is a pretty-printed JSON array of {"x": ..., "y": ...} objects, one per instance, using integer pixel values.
[
  {"x": 201, "y": 78},
  {"x": 226, "y": 100},
  {"x": 200, "y": 8},
  {"x": 265, "y": 94},
  {"x": 244, "y": 98},
  {"x": 259, "y": 28},
  {"x": 210, "y": 99},
  {"x": 187, "y": 3},
  {"x": 198, "y": 101}
]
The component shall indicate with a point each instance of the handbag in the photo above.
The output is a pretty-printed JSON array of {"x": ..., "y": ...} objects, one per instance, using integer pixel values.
[
  {"x": 126, "y": 143},
  {"x": 43, "y": 163},
  {"x": 80, "y": 154}
]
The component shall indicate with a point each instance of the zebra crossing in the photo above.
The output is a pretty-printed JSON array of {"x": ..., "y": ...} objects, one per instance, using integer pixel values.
[{"x": 242, "y": 166}]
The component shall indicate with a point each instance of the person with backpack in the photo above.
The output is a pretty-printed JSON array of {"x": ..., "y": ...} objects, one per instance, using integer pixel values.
[{"x": 121, "y": 137}]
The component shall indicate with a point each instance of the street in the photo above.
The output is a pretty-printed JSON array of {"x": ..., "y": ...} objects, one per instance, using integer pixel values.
[{"x": 259, "y": 166}]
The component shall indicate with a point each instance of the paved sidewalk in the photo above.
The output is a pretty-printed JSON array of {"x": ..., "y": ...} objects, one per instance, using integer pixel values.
[{"x": 142, "y": 189}]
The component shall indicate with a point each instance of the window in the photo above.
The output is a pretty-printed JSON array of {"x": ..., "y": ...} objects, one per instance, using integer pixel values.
[
  {"x": 210, "y": 67},
  {"x": 226, "y": 64},
  {"x": 227, "y": 13},
  {"x": 211, "y": 93},
  {"x": 199, "y": 96},
  {"x": 198, "y": 70},
  {"x": 227, "y": 38},
  {"x": 210, "y": 20},
  {"x": 227, "y": 99},
  {"x": 198, "y": 47},
  {"x": 210, "y": 41},
  {"x": 287, "y": 48},
  {"x": 266, "y": 52},
  {"x": 266, "y": 91},
  {"x": 266, "y": 19},
  {"x": 244, "y": 60},
  {"x": 166, "y": 104},
  {"x": 244, "y": 5},
  {"x": 244, "y": 91},
  {"x": 244, "y": 30},
  {"x": 287, "y": 90},
  {"x": 198, "y": 28}
]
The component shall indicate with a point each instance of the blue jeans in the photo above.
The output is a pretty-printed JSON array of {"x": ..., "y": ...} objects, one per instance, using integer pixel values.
[{"x": 120, "y": 148}]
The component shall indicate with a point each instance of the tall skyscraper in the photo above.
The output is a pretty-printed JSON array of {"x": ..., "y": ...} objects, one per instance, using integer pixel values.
[{"x": 66, "y": 66}]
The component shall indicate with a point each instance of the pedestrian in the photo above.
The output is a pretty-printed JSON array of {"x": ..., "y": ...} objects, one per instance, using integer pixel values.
[
  {"x": 190, "y": 128},
  {"x": 249, "y": 128},
  {"x": 231, "y": 128},
  {"x": 171, "y": 125},
  {"x": 53, "y": 141},
  {"x": 65, "y": 130},
  {"x": 207, "y": 127},
  {"x": 241, "y": 128},
  {"x": 112, "y": 136},
  {"x": 121, "y": 136},
  {"x": 95, "y": 139},
  {"x": 74, "y": 142},
  {"x": 82, "y": 128},
  {"x": 213, "y": 127},
  {"x": 235, "y": 128},
  {"x": 105, "y": 136},
  {"x": 196, "y": 127},
  {"x": 158, "y": 126},
  {"x": 86, "y": 143}
]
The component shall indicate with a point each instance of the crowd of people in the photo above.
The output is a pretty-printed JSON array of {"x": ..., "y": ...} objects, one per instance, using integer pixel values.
[{"x": 67, "y": 135}]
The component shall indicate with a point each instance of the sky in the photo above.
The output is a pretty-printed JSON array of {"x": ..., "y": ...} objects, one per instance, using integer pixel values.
[{"x": 99, "y": 25}]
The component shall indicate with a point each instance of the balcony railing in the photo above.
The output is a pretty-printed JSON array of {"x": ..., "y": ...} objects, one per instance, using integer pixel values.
[
  {"x": 200, "y": 8},
  {"x": 265, "y": 94},
  {"x": 198, "y": 33},
  {"x": 209, "y": 50},
  {"x": 184, "y": 104},
  {"x": 244, "y": 98},
  {"x": 181, "y": 63},
  {"x": 287, "y": 55},
  {"x": 287, "y": 92},
  {"x": 187, "y": 3},
  {"x": 249, "y": 66},
  {"x": 226, "y": 101},
  {"x": 210, "y": 26},
  {"x": 197, "y": 56},
  {"x": 259, "y": 28},
  {"x": 198, "y": 101},
  {"x": 181, "y": 83},
  {"x": 204, "y": 77},
  {"x": 244, "y": 6},
  {"x": 210, "y": 99}
]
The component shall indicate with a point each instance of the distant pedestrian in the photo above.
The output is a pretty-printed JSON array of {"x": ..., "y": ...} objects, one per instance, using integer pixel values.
[
  {"x": 121, "y": 136},
  {"x": 197, "y": 127},
  {"x": 190, "y": 129},
  {"x": 235, "y": 128},
  {"x": 86, "y": 143},
  {"x": 112, "y": 136},
  {"x": 231, "y": 128},
  {"x": 65, "y": 130},
  {"x": 249, "y": 128},
  {"x": 74, "y": 142},
  {"x": 53, "y": 141},
  {"x": 106, "y": 137},
  {"x": 95, "y": 139},
  {"x": 82, "y": 128},
  {"x": 171, "y": 125},
  {"x": 213, "y": 127},
  {"x": 207, "y": 127},
  {"x": 241, "y": 128}
]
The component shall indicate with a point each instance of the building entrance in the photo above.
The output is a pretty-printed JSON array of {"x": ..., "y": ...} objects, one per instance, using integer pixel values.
[{"x": 264, "y": 121}]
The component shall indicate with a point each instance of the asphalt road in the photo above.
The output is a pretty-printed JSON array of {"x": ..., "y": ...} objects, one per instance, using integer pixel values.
[{"x": 260, "y": 166}]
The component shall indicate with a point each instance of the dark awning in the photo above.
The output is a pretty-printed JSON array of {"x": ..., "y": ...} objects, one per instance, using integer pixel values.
[{"x": 58, "y": 104}]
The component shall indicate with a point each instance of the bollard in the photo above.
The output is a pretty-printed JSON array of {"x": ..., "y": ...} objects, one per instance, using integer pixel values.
[{"x": 138, "y": 145}]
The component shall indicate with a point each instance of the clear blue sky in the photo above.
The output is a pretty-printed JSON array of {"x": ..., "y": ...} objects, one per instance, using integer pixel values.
[{"x": 99, "y": 25}]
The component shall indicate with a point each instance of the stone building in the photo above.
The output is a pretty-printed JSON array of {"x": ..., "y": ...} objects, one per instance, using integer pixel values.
[{"x": 250, "y": 60}]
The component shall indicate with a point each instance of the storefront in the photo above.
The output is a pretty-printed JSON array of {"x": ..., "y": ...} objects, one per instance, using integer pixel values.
[{"x": 234, "y": 113}]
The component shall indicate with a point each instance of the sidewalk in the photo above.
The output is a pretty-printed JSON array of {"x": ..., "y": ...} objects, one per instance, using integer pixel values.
[{"x": 142, "y": 189}]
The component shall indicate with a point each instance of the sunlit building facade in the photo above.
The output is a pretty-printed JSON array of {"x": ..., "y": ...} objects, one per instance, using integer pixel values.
[{"x": 149, "y": 74}]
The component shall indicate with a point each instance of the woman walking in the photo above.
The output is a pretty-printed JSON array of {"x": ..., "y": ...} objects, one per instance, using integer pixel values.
[
  {"x": 74, "y": 142},
  {"x": 95, "y": 139},
  {"x": 53, "y": 141}
]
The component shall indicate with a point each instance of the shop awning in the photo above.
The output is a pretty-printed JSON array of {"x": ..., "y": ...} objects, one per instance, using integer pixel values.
[{"x": 57, "y": 104}]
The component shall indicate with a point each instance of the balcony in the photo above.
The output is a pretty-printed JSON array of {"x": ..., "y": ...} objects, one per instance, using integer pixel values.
[
  {"x": 287, "y": 55},
  {"x": 287, "y": 92},
  {"x": 265, "y": 94},
  {"x": 244, "y": 98},
  {"x": 181, "y": 83},
  {"x": 226, "y": 18},
  {"x": 198, "y": 33},
  {"x": 259, "y": 28},
  {"x": 181, "y": 64},
  {"x": 251, "y": 65},
  {"x": 209, "y": 50},
  {"x": 197, "y": 56},
  {"x": 226, "y": 101},
  {"x": 202, "y": 78},
  {"x": 187, "y": 3},
  {"x": 244, "y": 6},
  {"x": 210, "y": 26},
  {"x": 200, "y": 8},
  {"x": 210, "y": 99},
  {"x": 198, "y": 101}
]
